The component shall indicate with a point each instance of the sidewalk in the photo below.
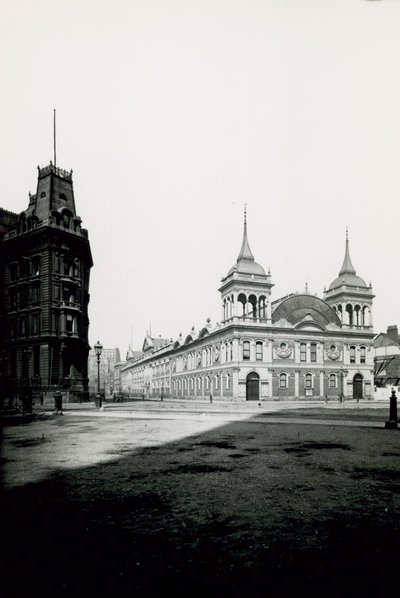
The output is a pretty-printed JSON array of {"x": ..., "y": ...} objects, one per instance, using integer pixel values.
[{"x": 195, "y": 406}]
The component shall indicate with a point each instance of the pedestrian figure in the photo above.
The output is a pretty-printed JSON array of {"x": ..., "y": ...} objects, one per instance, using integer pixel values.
[
  {"x": 210, "y": 398},
  {"x": 114, "y": 397}
]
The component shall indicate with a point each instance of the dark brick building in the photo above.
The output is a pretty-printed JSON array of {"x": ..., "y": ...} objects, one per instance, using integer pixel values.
[{"x": 45, "y": 262}]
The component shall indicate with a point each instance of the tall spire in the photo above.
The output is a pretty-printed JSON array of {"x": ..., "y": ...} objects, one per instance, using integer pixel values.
[
  {"x": 347, "y": 267},
  {"x": 245, "y": 251}
]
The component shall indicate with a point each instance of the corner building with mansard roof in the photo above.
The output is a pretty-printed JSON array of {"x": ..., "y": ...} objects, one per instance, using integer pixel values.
[
  {"x": 45, "y": 266},
  {"x": 298, "y": 347}
]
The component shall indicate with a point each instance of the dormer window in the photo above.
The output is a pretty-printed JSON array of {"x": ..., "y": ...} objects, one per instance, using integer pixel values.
[
  {"x": 63, "y": 196},
  {"x": 43, "y": 194}
]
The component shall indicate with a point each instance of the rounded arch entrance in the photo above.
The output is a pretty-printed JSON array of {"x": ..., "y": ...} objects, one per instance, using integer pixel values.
[
  {"x": 253, "y": 387},
  {"x": 357, "y": 386}
]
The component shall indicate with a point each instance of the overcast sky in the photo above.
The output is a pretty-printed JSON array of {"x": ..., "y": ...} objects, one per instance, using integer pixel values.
[{"x": 175, "y": 113}]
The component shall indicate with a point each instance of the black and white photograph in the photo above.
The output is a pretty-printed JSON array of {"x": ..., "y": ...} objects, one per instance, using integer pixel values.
[{"x": 199, "y": 298}]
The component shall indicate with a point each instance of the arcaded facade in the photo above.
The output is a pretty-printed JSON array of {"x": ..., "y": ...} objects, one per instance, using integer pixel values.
[{"x": 296, "y": 347}]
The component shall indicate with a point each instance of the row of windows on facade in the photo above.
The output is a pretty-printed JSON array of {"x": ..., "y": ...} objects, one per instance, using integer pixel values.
[
  {"x": 23, "y": 296},
  {"x": 189, "y": 383},
  {"x": 26, "y": 295},
  {"x": 308, "y": 381},
  {"x": 30, "y": 325},
  {"x": 29, "y": 267},
  {"x": 332, "y": 348},
  {"x": 25, "y": 361},
  {"x": 24, "y": 268},
  {"x": 206, "y": 359},
  {"x": 227, "y": 353}
]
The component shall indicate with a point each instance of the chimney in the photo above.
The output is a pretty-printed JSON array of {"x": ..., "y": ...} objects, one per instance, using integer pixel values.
[{"x": 393, "y": 333}]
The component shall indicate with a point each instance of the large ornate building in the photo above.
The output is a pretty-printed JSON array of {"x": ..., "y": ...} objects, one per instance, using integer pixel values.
[
  {"x": 296, "y": 347},
  {"x": 44, "y": 291}
]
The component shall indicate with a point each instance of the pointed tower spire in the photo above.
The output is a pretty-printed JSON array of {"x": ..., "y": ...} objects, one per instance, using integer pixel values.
[
  {"x": 245, "y": 251},
  {"x": 347, "y": 267}
]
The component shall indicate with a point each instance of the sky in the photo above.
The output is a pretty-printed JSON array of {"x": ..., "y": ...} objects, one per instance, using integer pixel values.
[{"x": 174, "y": 114}]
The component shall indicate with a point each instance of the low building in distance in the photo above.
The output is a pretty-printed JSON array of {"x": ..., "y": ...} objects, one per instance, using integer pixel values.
[
  {"x": 387, "y": 362},
  {"x": 44, "y": 292},
  {"x": 295, "y": 347}
]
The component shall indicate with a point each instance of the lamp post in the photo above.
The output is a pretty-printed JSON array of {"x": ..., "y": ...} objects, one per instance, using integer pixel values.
[
  {"x": 26, "y": 389},
  {"x": 98, "y": 349}
]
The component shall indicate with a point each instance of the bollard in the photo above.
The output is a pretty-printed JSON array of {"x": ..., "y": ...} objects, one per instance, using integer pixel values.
[
  {"x": 58, "y": 402},
  {"x": 98, "y": 401},
  {"x": 27, "y": 402},
  {"x": 392, "y": 423}
]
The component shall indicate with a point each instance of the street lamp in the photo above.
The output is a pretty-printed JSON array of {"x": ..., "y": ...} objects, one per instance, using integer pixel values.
[{"x": 98, "y": 349}]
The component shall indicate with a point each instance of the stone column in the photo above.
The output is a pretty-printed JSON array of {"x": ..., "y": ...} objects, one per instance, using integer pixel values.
[
  {"x": 269, "y": 314},
  {"x": 296, "y": 383},
  {"x": 321, "y": 383}
]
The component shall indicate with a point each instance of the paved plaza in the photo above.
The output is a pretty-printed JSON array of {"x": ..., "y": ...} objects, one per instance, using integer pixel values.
[{"x": 145, "y": 497}]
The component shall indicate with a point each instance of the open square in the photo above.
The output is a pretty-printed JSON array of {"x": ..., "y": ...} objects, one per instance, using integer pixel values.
[{"x": 189, "y": 500}]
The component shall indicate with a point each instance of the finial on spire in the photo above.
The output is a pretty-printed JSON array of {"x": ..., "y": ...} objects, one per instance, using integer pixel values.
[
  {"x": 245, "y": 213},
  {"x": 306, "y": 288},
  {"x": 347, "y": 233}
]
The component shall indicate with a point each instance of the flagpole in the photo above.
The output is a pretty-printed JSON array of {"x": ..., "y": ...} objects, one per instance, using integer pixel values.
[{"x": 54, "y": 137}]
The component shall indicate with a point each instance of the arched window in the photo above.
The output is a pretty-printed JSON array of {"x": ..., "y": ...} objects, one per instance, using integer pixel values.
[
  {"x": 332, "y": 381},
  {"x": 352, "y": 354},
  {"x": 283, "y": 380},
  {"x": 308, "y": 381},
  {"x": 362, "y": 354},
  {"x": 246, "y": 350},
  {"x": 216, "y": 382},
  {"x": 259, "y": 351},
  {"x": 303, "y": 352},
  {"x": 313, "y": 352},
  {"x": 207, "y": 383},
  {"x": 228, "y": 381}
]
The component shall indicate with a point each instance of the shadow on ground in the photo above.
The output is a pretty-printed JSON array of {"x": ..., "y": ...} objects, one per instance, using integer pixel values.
[{"x": 262, "y": 507}]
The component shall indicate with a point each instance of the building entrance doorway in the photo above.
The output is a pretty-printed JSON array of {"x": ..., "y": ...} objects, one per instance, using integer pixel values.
[
  {"x": 253, "y": 387},
  {"x": 357, "y": 386}
]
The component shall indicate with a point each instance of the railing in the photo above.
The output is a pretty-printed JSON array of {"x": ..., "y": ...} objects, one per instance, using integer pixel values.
[
  {"x": 58, "y": 171},
  {"x": 69, "y": 304}
]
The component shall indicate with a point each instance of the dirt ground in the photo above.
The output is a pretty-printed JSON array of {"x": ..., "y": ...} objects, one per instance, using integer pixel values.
[{"x": 135, "y": 504}]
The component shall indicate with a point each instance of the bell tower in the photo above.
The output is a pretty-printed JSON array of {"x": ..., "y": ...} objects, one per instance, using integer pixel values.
[
  {"x": 246, "y": 289},
  {"x": 350, "y": 296}
]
